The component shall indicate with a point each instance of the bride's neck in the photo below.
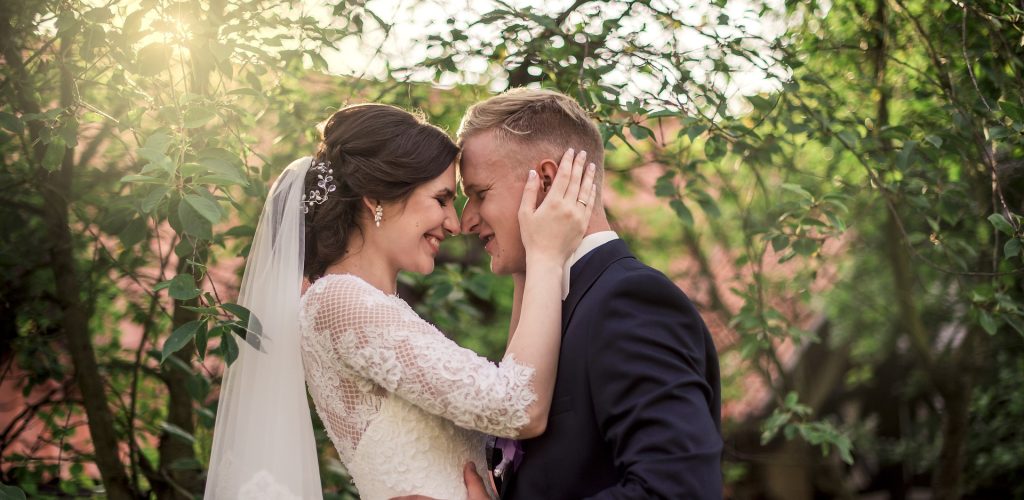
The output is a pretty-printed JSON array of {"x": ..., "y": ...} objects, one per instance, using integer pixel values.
[{"x": 362, "y": 261}]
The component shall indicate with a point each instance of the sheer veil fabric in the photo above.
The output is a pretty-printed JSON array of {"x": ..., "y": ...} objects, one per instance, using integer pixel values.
[{"x": 263, "y": 445}]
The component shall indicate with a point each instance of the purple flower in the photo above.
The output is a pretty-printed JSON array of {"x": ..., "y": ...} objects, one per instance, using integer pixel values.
[{"x": 511, "y": 453}]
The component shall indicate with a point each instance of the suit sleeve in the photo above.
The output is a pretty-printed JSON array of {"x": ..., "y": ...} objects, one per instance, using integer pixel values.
[{"x": 656, "y": 392}]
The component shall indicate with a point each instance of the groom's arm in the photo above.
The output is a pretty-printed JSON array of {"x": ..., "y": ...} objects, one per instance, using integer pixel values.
[{"x": 652, "y": 386}]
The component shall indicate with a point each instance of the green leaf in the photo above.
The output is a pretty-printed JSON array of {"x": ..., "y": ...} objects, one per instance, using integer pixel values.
[
  {"x": 183, "y": 287},
  {"x": 177, "y": 432},
  {"x": 224, "y": 172},
  {"x": 934, "y": 140},
  {"x": 479, "y": 285},
  {"x": 11, "y": 122},
  {"x": 1001, "y": 224},
  {"x": 780, "y": 242},
  {"x": 760, "y": 103},
  {"x": 54, "y": 154},
  {"x": 240, "y": 231},
  {"x": 1016, "y": 323},
  {"x": 681, "y": 211},
  {"x": 205, "y": 207},
  {"x": 664, "y": 187},
  {"x": 850, "y": 137},
  {"x": 663, "y": 113},
  {"x": 638, "y": 132},
  {"x": 246, "y": 91},
  {"x": 158, "y": 142},
  {"x": 153, "y": 59},
  {"x": 179, "y": 338},
  {"x": 237, "y": 311},
  {"x": 228, "y": 346},
  {"x": 134, "y": 233},
  {"x": 695, "y": 131},
  {"x": 132, "y": 23},
  {"x": 98, "y": 14},
  {"x": 804, "y": 246},
  {"x": 442, "y": 290},
  {"x": 1012, "y": 248},
  {"x": 197, "y": 117},
  {"x": 996, "y": 133},
  {"x": 988, "y": 323},
  {"x": 794, "y": 188},
  {"x": 246, "y": 320},
  {"x": 906, "y": 154},
  {"x": 1013, "y": 110},
  {"x": 153, "y": 199},
  {"x": 202, "y": 339},
  {"x": 142, "y": 179},
  {"x": 185, "y": 463},
  {"x": 193, "y": 222},
  {"x": 11, "y": 492}
]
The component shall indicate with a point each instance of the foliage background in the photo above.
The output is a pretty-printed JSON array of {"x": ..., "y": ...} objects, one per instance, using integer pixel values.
[{"x": 841, "y": 198}]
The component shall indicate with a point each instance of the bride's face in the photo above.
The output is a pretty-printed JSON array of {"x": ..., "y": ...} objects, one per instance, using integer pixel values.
[{"x": 410, "y": 233}]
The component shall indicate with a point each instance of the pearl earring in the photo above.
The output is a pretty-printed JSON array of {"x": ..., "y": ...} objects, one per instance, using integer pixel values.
[{"x": 378, "y": 214}]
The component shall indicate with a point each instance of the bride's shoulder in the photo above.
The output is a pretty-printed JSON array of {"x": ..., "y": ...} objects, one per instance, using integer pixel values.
[{"x": 348, "y": 288}]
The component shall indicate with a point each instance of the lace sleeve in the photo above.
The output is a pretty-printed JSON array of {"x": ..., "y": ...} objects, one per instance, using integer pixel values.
[{"x": 382, "y": 339}]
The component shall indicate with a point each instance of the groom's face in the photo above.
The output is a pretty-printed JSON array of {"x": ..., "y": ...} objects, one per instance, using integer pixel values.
[{"x": 493, "y": 178}]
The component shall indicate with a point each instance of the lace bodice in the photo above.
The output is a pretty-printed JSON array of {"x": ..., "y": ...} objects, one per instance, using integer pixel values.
[{"x": 404, "y": 405}]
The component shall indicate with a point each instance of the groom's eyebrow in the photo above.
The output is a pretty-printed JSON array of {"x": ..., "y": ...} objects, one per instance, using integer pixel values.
[{"x": 469, "y": 188}]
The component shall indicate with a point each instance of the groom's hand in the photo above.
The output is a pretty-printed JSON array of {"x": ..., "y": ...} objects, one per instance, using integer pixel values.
[
  {"x": 474, "y": 483},
  {"x": 474, "y": 486}
]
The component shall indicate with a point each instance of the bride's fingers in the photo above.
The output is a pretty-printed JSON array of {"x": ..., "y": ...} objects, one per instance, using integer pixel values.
[
  {"x": 572, "y": 191},
  {"x": 583, "y": 191},
  {"x": 529, "y": 202},
  {"x": 590, "y": 204},
  {"x": 561, "y": 181}
]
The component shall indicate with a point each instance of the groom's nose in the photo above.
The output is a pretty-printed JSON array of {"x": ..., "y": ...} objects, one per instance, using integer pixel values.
[
  {"x": 470, "y": 218},
  {"x": 451, "y": 223}
]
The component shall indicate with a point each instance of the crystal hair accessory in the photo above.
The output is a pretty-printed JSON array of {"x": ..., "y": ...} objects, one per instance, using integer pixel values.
[{"x": 325, "y": 185}]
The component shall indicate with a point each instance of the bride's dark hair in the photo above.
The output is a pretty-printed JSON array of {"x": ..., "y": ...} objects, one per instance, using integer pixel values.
[{"x": 376, "y": 151}]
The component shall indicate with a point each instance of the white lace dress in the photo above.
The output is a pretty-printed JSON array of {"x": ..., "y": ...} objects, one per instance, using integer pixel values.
[{"x": 404, "y": 405}]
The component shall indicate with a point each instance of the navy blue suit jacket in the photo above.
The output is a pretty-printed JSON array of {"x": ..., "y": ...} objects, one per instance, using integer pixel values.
[{"x": 636, "y": 407}]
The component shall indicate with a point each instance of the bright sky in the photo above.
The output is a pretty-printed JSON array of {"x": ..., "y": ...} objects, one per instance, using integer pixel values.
[{"x": 414, "y": 20}]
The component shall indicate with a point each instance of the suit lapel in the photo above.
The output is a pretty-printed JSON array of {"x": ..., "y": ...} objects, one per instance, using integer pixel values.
[{"x": 585, "y": 272}]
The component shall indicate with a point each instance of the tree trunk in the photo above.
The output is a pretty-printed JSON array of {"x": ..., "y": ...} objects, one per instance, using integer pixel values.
[
  {"x": 184, "y": 481},
  {"x": 74, "y": 318},
  {"x": 956, "y": 398}
]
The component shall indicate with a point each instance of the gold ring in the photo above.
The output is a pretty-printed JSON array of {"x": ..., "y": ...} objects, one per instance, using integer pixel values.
[{"x": 581, "y": 202}]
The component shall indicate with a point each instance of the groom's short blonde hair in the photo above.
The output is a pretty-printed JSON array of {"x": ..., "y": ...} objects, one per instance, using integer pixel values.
[{"x": 543, "y": 119}]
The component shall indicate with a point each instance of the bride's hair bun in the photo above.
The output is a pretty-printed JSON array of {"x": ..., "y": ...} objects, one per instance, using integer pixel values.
[{"x": 379, "y": 152}]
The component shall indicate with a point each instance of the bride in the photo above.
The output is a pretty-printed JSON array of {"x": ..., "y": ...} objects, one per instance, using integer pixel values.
[{"x": 405, "y": 406}]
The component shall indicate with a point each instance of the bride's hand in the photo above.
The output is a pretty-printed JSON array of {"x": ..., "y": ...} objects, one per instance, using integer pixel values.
[{"x": 553, "y": 230}]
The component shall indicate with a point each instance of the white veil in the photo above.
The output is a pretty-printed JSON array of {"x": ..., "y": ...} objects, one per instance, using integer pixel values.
[{"x": 263, "y": 445}]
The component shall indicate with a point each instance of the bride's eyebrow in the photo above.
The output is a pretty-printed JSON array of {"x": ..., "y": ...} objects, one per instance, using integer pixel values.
[{"x": 446, "y": 193}]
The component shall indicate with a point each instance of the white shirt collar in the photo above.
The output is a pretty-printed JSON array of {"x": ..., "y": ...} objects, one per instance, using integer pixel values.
[{"x": 590, "y": 242}]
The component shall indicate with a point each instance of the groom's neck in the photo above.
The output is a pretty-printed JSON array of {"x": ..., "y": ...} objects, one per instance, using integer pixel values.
[
  {"x": 599, "y": 222},
  {"x": 519, "y": 284}
]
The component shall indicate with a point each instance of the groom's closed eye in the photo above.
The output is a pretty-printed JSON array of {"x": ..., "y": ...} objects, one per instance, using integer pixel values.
[{"x": 473, "y": 191}]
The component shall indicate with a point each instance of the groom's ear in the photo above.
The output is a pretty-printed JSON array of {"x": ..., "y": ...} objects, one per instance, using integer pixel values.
[{"x": 547, "y": 170}]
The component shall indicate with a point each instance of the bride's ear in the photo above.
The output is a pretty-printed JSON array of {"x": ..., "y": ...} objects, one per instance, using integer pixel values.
[
  {"x": 547, "y": 170},
  {"x": 371, "y": 205}
]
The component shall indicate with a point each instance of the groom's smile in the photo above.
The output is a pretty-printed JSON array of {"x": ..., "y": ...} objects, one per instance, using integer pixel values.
[{"x": 493, "y": 176}]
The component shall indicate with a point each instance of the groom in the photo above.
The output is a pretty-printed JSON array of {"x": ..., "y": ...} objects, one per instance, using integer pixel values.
[{"x": 636, "y": 407}]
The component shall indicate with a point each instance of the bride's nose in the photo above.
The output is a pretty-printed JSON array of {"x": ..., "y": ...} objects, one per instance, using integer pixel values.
[{"x": 451, "y": 224}]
